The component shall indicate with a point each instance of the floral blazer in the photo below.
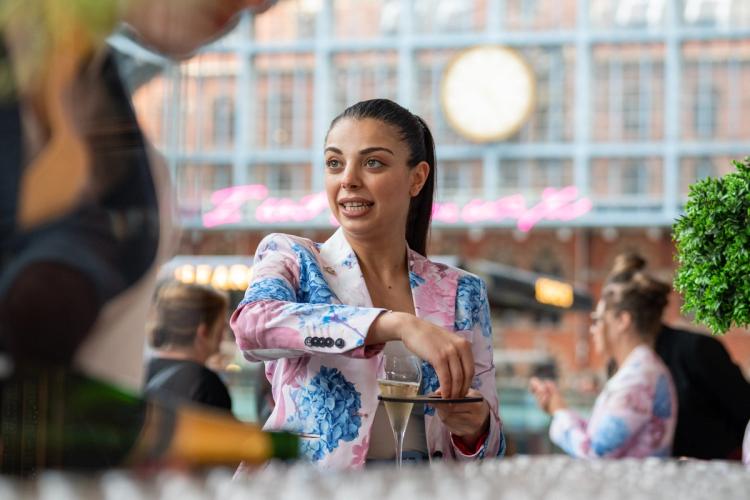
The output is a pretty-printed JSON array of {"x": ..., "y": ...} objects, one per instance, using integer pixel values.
[
  {"x": 634, "y": 416},
  {"x": 307, "y": 312}
]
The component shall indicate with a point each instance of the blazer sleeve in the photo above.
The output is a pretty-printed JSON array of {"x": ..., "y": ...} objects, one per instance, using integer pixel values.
[
  {"x": 608, "y": 433},
  {"x": 471, "y": 290},
  {"x": 272, "y": 321}
]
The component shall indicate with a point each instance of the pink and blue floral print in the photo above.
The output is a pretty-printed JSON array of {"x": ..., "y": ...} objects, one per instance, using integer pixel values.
[
  {"x": 306, "y": 314},
  {"x": 634, "y": 416},
  {"x": 329, "y": 407}
]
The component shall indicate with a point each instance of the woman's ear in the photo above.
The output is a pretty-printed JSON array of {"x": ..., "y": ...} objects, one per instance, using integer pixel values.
[
  {"x": 419, "y": 176},
  {"x": 624, "y": 320}
]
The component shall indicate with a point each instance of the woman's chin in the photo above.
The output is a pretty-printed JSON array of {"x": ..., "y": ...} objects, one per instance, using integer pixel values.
[{"x": 354, "y": 226}]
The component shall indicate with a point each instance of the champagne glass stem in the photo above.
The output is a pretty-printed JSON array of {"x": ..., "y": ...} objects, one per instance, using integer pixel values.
[{"x": 399, "y": 437}]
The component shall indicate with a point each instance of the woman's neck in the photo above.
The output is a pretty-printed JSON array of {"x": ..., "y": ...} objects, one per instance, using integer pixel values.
[
  {"x": 627, "y": 345},
  {"x": 383, "y": 259}
]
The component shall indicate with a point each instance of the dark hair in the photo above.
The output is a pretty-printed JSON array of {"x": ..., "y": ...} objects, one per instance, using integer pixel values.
[
  {"x": 643, "y": 297},
  {"x": 180, "y": 309},
  {"x": 416, "y": 135},
  {"x": 625, "y": 266}
]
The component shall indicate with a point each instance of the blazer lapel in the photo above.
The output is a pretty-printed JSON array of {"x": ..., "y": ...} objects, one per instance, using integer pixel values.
[
  {"x": 433, "y": 288},
  {"x": 342, "y": 272},
  {"x": 433, "y": 285}
]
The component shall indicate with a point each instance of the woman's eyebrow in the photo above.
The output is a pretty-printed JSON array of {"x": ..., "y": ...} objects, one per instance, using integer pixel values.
[
  {"x": 373, "y": 149},
  {"x": 362, "y": 152}
]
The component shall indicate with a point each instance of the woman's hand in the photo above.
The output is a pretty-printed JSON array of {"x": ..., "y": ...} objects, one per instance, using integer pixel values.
[
  {"x": 449, "y": 353},
  {"x": 467, "y": 421},
  {"x": 547, "y": 395}
]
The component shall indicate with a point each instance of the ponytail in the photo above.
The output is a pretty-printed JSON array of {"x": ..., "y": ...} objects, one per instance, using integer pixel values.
[{"x": 420, "y": 208}]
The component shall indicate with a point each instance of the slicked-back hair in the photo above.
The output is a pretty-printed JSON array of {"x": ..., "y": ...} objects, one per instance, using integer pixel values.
[{"x": 417, "y": 136}]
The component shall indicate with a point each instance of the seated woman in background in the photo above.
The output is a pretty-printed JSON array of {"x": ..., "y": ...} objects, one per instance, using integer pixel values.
[
  {"x": 636, "y": 413},
  {"x": 321, "y": 314},
  {"x": 186, "y": 331},
  {"x": 712, "y": 393}
]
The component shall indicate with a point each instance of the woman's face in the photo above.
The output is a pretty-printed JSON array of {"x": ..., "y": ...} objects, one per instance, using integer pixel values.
[
  {"x": 368, "y": 181},
  {"x": 601, "y": 327}
]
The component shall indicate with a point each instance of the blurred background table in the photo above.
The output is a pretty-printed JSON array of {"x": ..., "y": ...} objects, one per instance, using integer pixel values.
[{"x": 518, "y": 478}]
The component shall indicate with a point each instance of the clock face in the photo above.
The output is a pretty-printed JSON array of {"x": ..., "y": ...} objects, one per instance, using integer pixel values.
[{"x": 487, "y": 93}]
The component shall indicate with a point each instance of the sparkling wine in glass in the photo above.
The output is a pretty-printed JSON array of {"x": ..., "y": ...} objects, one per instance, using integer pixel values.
[{"x": 403, "y": 375}]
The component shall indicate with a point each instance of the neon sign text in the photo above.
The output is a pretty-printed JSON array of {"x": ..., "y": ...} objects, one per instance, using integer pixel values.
[
  {"x": 228, "y": 202},
  {"x": 555, "y": 204}
]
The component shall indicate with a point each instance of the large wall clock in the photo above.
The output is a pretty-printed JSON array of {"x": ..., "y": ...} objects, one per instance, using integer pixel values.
[{"x": 487, "y": 92}]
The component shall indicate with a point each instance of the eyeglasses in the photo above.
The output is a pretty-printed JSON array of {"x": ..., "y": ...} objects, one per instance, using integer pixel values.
[{"x": 596, "y": 318}]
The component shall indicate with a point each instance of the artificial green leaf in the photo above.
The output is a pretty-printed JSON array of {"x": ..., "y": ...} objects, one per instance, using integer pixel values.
[{"x": 712, "y": 239}]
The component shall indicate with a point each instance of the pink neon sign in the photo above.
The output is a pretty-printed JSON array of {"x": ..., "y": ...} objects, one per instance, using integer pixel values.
[
  {"x": 556, "y": 204},
  {"x": 228, "y": 202}
]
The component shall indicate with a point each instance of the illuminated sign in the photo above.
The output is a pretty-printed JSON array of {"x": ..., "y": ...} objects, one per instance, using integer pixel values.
[
  {"x": 553, "y": 292},
  {"x": 556, "y": 204}
]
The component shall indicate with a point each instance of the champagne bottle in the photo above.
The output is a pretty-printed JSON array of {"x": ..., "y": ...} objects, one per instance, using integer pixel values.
[{"x": 51, "y": 417}]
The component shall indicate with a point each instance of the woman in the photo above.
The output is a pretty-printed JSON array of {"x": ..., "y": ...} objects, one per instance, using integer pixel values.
[
  {"x": 636, "y": 413},
  {"x": 712, "y": 393},
  {"x": 320, "y": 314},
  {"x": 187, "y": 330}
]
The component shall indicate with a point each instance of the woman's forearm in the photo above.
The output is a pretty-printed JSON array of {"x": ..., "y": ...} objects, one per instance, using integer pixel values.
[{"x": 387, "y": 327}]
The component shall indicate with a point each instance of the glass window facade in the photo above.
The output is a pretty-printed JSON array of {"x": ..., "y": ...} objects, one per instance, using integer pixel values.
[
  {"x": 629, "y": 93},
  {"x": 634, "y": 99},
  {"x": 363, "y": 75},
  {"x": 713, "y": 99}
]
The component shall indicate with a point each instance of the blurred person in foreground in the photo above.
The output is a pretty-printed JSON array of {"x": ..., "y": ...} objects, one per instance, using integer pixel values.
[
  {"x": 636, "y": 412},
  {"x": 321, "y": 315},
  {"x": 80, "y": 224},
  {"x": 186, "y": 331},
  {"x": 713, "y": 394}
]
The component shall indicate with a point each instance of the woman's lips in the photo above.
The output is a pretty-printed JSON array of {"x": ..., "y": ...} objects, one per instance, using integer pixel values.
[{"x": 355, "y": 208}]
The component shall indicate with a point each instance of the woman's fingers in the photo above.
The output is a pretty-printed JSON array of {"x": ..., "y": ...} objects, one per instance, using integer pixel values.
[
  {"x": 467, "y": 362},
  {"x": 539, "y": 390},
  {"x": 457, "y": 373},
  {"x": 449, "y": 353},
  {"x": 535, "y": 386},
  {"x": 444, "y": 377},
  {"x": 465, "y": 419}
]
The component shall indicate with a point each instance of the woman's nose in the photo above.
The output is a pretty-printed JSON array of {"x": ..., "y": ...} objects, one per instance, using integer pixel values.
[{"x": 350, "y": 178}]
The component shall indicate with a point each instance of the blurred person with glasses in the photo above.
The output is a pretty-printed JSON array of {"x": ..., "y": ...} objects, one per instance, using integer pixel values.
[
  {"x": 713, "y": 394},
  {"x": 636, "y": 412}
]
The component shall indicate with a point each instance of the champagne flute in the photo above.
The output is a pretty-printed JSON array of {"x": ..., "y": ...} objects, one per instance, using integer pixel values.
[{"x": 403, "y": 375}]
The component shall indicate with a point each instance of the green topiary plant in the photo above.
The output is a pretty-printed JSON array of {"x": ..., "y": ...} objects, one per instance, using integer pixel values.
[{"x": 713, "y": 250}]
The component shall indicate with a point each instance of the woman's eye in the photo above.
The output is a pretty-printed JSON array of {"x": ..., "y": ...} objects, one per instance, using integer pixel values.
[
  {"x": 372, "y": 163},
  {"x": 333, "y": 163}
]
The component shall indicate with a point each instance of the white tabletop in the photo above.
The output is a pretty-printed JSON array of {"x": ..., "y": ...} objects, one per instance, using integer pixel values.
[{"x": 518, "y": 478}]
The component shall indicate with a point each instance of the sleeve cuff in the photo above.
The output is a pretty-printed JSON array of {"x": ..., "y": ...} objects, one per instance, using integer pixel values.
[{"x": 467, "y": 451}]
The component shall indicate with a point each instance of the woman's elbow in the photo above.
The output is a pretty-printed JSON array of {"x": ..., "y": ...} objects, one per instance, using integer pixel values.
[{"x": 246, "y": 323}]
